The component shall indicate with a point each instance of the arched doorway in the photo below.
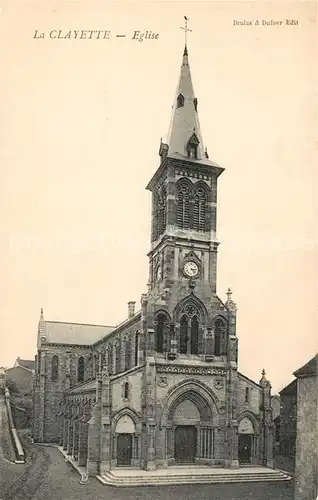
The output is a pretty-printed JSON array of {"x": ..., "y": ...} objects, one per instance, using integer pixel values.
[
  {"x": 186, "y": 419},
  {"x": 125, "y": 430},
  {"x": 190, "y": 417},
  {"x": 246, "y": 441}
]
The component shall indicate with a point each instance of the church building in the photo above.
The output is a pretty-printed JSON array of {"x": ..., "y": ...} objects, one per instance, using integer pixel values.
[{"x": 163, "y": 387}]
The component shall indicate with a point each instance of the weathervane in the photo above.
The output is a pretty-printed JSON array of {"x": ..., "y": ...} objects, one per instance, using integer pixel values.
[{"x": 185, "y": 28}]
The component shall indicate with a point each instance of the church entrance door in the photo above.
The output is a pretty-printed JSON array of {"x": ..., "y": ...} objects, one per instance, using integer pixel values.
[
  {"x": 185, "y": 444},
  {"x": 124, "y": 449},
  {"x": 245, "y": 448}
]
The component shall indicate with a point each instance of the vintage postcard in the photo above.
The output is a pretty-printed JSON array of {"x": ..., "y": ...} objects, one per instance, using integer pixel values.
[{"x": 158, "y": 241}]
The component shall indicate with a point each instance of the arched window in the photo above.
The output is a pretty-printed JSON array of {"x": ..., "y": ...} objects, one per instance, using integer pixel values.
[
  {"x": 184, "y": 335},
  {"x": 80, "y": 370},
  {"x": 160, "y": 332},
  {"x": 247, "y": 395},
  {"x": 219, "y": 337},
  {"x": 39, "y": 361},
  {"x": 55, "y": 368},
  {"x": 199, "y": 210},
  {"x": 118, "y": 363},
  {"x": 110, "y": 359},
  {"x": 160, "y": 212},
  {"x": 183, "y": 207},
  {"x": 180, "y": 101},
  {"x": 163, "y": 210},
  {"x": 127, "y": 355},
  {"x": 194, "y": 335},
  {"x": 155, "y": 212},
  {"x": 126, "y": 390},
  {"x": 103, "y": 359},
  {"x": 95, "y": 365},
  {"x": 136, "y": 348}
]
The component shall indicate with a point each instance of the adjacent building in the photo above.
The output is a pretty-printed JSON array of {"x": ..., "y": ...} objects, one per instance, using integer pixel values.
[
  {"x": 306, "y": 463},
  {"x": 288, "y": 419},
  {"x": 19, "y": 378},
  {"x": 163, "y": 387}
]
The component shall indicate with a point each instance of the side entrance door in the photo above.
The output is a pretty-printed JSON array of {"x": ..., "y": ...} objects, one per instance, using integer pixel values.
[
  {"x": 244, "y": 448},
  {"x": 185, "y": 444},
  {"x": 124, "y": 449}
]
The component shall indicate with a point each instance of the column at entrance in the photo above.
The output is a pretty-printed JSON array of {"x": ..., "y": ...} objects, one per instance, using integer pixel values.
[{"x": 206, "y": 444}]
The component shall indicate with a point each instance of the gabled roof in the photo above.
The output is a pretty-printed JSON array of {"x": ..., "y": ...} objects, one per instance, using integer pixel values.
[
  {"x": 89, "y": 386},
  {"x": 309, "y": 369},
  {"x": 291, "y": 388},
  {"x": 26, "y": 363},
  {"x": 57, "y": 332},
  {"x": 244, "y": 377}
]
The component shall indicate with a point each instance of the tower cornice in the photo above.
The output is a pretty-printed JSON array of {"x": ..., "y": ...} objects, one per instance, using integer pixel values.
[{"x": 200, "y": 167}]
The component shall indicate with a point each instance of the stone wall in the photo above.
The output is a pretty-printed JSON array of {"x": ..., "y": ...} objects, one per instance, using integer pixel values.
[
  {"x": 307, "y": 439},
  {"x": 248, "y": 396}
]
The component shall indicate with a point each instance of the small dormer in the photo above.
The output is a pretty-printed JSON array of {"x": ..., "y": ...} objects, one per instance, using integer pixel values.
[
  {"x": 192, "y": 147},
  {"x": 180, "y": 101}
]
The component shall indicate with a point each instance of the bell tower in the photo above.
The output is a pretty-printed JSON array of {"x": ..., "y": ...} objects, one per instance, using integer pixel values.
[{"x": 184, "y": 200}]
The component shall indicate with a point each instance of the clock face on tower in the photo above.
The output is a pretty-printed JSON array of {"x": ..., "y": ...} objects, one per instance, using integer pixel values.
[{"x": 191, "y": 269}]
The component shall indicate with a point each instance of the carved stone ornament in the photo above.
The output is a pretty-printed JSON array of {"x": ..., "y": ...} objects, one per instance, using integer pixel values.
[
  {"x": 162, "y": 381},
  {"x": 190, "y": 370},
  {"x": 219, "y": 383},
  {"x": 190, "y": 310}
]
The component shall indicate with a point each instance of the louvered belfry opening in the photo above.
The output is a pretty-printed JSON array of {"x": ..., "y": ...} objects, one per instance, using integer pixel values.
[{"x": 191, "y": 207}]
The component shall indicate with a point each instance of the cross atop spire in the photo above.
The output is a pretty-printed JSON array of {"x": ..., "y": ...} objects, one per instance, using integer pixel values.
[{"x": 186, "y": 29}]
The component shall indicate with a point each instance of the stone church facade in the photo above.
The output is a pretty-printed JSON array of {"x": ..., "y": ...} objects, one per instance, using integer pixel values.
[{"x": 163, "y": 387}]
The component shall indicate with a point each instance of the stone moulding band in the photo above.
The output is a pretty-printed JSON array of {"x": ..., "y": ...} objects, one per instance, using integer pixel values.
[{"x": 194, "y": 370}]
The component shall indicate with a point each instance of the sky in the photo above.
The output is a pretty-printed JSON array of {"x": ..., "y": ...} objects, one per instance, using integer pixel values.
[{"x": 80, "y": 133}]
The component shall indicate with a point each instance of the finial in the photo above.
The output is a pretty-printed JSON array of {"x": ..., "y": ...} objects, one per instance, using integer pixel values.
[
  {"x": 41, "y": 315},
  {"x": 186, "y": 29},
  {"x": 263, "y": 374},
  {"x": 229, "y": 294},
  {"x": 206, "y": 153}
]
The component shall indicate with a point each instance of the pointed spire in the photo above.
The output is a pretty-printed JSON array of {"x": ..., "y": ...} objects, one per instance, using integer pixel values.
[{"x": 184, "y": 137}]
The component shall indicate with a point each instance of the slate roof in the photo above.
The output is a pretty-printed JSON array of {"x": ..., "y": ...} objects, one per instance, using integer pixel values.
[
  {"x": 57, "y": 332},
  {"x": 26, "y": 363},
  {"x": 291, "y": 388},
  {"x": 185, "y": 121},
  {"x": 89, "y": 386},
  {"x": 244, "y": 377},
  {"x": 309, "y": 369}
]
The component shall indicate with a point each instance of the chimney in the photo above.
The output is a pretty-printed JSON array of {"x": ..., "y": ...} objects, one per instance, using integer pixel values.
[{"x": 131, "y": 309}]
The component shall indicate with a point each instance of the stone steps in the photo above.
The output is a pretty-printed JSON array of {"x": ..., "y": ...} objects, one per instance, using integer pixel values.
[{"x": 113, "y": 479}]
